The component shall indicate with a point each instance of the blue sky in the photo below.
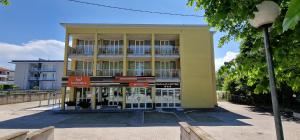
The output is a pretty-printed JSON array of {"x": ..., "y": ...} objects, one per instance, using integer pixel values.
[{"x": 28, "y": 26}]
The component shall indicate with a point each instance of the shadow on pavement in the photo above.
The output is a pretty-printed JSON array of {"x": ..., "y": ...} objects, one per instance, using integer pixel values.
[{"x": 212, "y": 117}]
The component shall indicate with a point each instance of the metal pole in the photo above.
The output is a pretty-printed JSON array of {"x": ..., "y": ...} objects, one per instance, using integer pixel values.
[{"x": 278, "y": 124}]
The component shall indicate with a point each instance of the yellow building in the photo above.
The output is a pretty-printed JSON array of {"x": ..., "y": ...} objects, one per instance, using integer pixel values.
[{"x": 138, "y": 66}]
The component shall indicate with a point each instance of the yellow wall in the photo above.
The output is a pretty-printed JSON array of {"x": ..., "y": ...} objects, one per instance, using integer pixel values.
[
  {"x": 196, "y": 59},
  {"x": 197, "y": 82}
]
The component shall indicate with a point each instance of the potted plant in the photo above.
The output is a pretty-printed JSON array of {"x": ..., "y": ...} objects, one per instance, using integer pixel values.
[{"x": 70, "y": 105}]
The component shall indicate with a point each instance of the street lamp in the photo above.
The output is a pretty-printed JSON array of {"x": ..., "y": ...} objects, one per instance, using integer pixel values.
[{"x": 266, "y": 15}]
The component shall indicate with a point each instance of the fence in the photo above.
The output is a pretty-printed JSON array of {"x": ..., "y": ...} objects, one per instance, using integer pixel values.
[{"x": 26, "y": 96}]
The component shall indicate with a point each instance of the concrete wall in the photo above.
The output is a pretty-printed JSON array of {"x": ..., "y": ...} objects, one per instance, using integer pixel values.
[
  {"x": 21, "y": 75},
  {"x": 197, "y": 69},
  {"x": 188, "y": 132},
  {"x": 20, "y": 98}
]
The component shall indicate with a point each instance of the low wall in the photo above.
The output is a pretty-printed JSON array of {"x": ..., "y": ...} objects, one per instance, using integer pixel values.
[
  {"x": 27, "y": 97},
  {"x": 46, "y": 133},
  {"x": 16, "y": 136},
  {"x": 188, "y": 132}
]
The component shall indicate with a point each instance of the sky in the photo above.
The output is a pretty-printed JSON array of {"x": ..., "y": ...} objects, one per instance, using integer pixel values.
[{"x": 30, "y": 29}]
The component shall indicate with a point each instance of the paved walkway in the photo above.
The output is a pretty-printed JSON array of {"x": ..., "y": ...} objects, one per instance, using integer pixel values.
[{"x": 231, "y": 122}]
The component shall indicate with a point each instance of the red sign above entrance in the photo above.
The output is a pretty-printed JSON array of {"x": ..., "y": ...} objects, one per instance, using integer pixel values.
[
  {"x": 79, "y": 81},
  {"x": 139, "y": 84}
]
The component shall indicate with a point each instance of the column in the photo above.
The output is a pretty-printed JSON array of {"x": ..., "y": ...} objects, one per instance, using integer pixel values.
[
  {"x": 124, "y": 97},
  {"x": 153, "y": 66},
  {"x": 63, "y": 90},
  {"x": 73, "y": 64},
  {"x": 125, "y": 46},
  {"x": 93, "y": 99},
  {"x": 95, "y": 55}
]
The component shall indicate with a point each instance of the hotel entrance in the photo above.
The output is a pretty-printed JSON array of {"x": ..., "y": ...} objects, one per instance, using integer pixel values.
[
  {"x": 109, "y": 97},
  {"x": 167, "y": 98},
  {"x": 138, "y": 98}
]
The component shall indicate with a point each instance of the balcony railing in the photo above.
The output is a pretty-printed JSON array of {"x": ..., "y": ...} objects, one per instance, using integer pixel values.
[
  {"x": 81, "y": 51},
  {"x": 139, "y": 50},
  {"x": 166, "y": 50},
  {"x": 80, "y": 72},
  {"x": 167, "y": 73},
  {"x": 41, "y": 78},
  {"x": 110, "y": 72},
  {"x": 42, "y": 69},
  {"x": 111, "y": 50},
  {"x": 136, "y": 72}
]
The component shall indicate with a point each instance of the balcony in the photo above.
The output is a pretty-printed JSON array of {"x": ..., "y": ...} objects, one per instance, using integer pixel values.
[
  {"x": 166, "y": 51},
  {"x": 81, "y": 52},
  {"x": 110, "y": 51},
  {"x": 32, "y": 78},
  {"x": 43, "y": 70},
  {"x": 139, "y": 51},
  {"x": 110, "y": 72},
  {"x": 137, "y": 72},
  {"x": 80, "y": 72},
  {"x": 167, "y": 74}
]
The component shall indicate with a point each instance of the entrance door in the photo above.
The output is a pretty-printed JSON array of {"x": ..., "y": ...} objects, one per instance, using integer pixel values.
[
  {"x": 167, "y": 98},
  {"x": 109, "y": 96},
  {"x": 138, "y": 98}
]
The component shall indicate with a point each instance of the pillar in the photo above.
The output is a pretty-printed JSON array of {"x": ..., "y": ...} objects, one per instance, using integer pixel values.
[
  {"x": 93, "y": 98},
  {"x": 124, "y": 97},
  {"x": 65, "y": 70},
  {"x": 95, "y": 56},
  {"x": 153, "y": 66},
  {"x": 153, "y": 54},
  {"x": 73, "y": 66},
  {"x": 125, "y": 46}
]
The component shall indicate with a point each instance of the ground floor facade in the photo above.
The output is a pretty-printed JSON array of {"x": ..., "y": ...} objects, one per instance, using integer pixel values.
[{"x": 128, "y": 93}]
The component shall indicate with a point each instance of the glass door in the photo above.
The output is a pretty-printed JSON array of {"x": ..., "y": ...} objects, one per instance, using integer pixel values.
[
  {"x": 138, "y": 98},
  {"x": 167, "y": 98}
]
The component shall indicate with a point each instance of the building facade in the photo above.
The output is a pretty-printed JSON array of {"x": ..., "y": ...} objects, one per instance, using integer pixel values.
[
  {"x": 6, "y": 76},
  {"x": 38, "y": 74},
  {"x": 139, "y": 66}
]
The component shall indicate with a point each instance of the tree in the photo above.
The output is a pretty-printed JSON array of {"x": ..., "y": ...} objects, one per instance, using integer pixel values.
[
  {"x": 4, "y": 2},
  {"x": 292, "y": 16},
  {"x": 247, "y": 74}
]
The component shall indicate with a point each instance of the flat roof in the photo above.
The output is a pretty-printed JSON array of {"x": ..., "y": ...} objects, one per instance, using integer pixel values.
[
  {"x": 107, "y": 25},
  {"x": 17, "y": 61}
]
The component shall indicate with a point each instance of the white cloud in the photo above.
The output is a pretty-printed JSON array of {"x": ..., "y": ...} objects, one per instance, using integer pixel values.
[
  {"x": 45, "y": 49},
  {"x": 228, "y": 57}
]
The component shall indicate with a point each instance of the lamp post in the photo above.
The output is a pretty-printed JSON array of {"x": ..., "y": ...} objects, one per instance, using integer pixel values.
[{"x": 266, "y": 15}]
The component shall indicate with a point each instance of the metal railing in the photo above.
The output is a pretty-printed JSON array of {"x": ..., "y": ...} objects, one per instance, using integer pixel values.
[
  {"x": 42, "y": 69},
  {"x": 82, "y": 51},
  {"x": 139, "y": 50},
  {"x": 167, "y": 73},
  {"x": 166, "y": 50},
  {"x": 110, "y": 72},
  {"x": 111, "y": 50},
  {"x": 80, "y": 72},
  {"x": 143, "y": 72}
]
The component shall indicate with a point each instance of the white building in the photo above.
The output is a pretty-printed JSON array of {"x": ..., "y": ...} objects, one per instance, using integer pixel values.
[
  {"x": 38, "y": 74},
  {"x": 6, "y": 76}
]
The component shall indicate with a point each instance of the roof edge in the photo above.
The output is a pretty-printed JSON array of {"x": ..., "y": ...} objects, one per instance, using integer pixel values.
[{"x": 129, "y": 25}]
